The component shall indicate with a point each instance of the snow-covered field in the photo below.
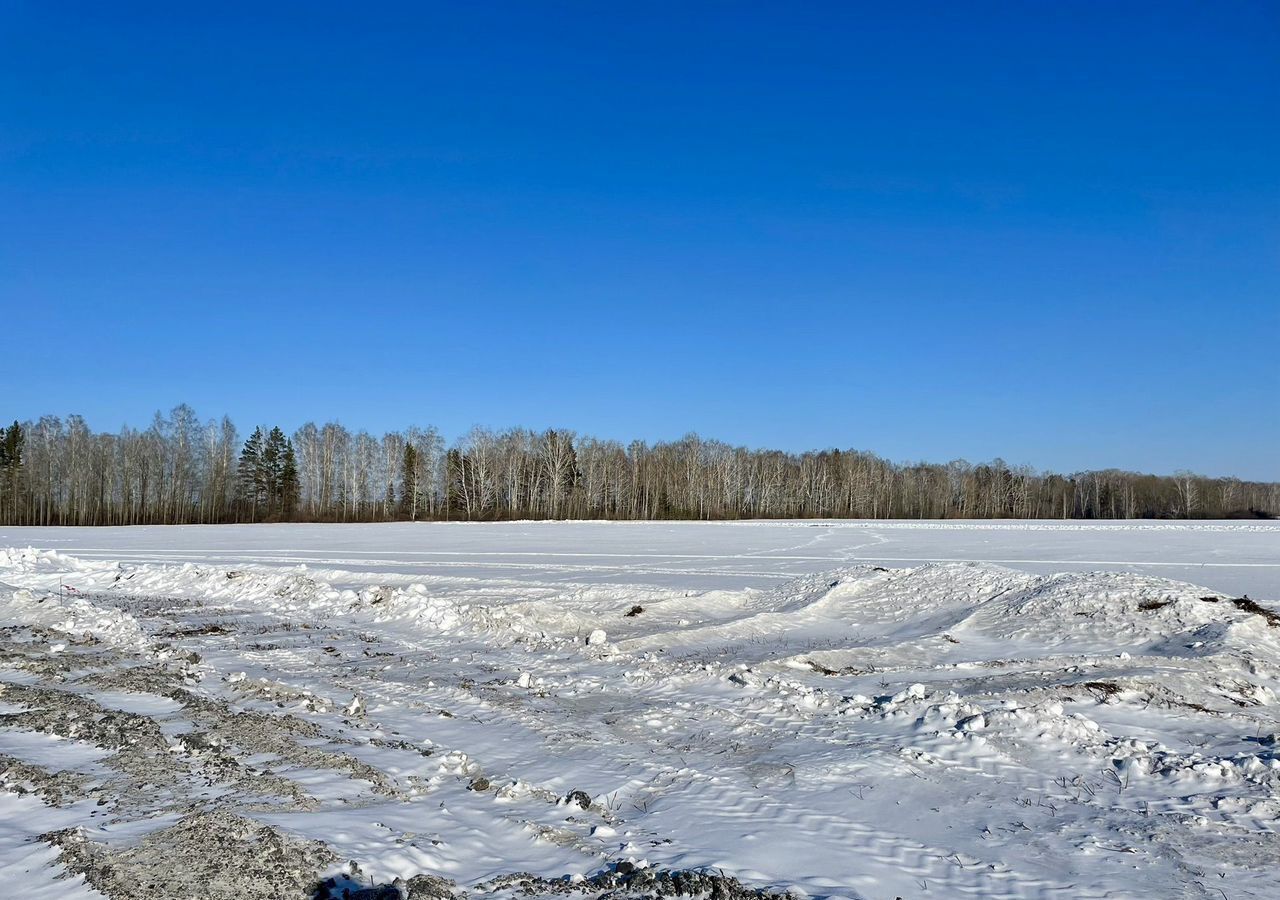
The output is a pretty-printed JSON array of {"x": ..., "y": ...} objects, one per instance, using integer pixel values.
[
  {"x": 1242, "y": 558},
  {"x": 870, "y": 710}
]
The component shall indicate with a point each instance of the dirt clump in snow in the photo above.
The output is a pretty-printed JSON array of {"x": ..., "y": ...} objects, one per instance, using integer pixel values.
[
  {"x": 621, "y": 881},
  {"x": 627, "y": 881},
  {"x": 72, "y": 716},
  {"x": 255, "y": 733},
  {"x": 580, "y": 799},
  {"x": 1252, "y": 606},
  {"x": 202, "y": 630},
  {"x": 56, "y": 788},
  {"x": 215, "y": 748},
  {"x": 1103, "y": 689},
  {"x": 419, "y": 887},
  {"x": 212, "y": 855},
  {"x": 1244, "y": 604},
  {"x": 48, "y": 652}
]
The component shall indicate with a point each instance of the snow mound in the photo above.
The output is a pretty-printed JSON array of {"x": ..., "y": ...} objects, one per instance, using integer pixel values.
[
  {"x": 76, "y": 616},
  {"x": 28, "y": 560},
  {"x": 1104, "y": 610}
]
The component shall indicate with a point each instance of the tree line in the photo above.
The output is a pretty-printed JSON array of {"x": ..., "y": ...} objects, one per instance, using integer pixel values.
[{"x": 56, "y": 471}]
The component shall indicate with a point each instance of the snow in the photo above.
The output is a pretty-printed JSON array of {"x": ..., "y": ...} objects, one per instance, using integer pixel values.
[
  {"x": 1235, "y": 557},
  {"x": 856, "y": 710}
]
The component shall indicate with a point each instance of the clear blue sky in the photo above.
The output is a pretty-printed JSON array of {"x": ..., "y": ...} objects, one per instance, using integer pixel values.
[{"x": 1046, "y": 232}]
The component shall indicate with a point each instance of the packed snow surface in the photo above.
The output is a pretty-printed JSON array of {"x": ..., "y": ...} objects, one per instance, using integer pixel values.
[{"x": 842, "y": 710}]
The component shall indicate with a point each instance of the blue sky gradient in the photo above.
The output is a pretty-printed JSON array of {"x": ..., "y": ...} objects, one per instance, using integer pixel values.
[{"x": 1046, "y": 233}]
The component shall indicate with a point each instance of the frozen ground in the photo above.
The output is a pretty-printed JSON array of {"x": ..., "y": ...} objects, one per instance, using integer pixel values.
[{"x": 573, "y": 710}]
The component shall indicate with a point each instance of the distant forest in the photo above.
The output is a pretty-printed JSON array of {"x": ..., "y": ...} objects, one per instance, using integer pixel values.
[{"x": 180, "y": 470}]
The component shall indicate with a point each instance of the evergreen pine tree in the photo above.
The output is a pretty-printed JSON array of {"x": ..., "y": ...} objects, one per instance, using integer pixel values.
[
  {"x": 11, "y": 440},
  {"x": 409, "y": 483},
  {"x": 11, "y": 446},
  {"x": 271, "y": 472},
  {"x": 571, "y": 475},
  {"x": 249, "y": 474},
  {"x": 290, "y": 489},
  {"x": 453, "y": 488}
]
